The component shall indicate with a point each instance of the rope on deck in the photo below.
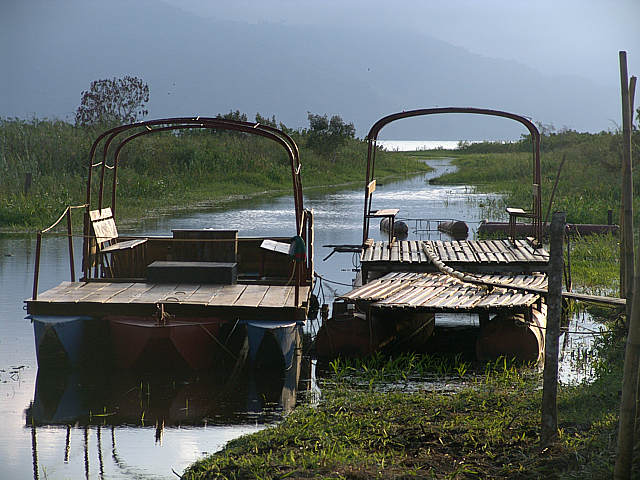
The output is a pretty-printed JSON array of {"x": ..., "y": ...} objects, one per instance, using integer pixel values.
[{"x": 440, "y": 265}]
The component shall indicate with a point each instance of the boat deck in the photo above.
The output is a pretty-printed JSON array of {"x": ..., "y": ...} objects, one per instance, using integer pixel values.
[
  {"x": 250, "y": 302},
  {"x": 437, "y": 292},
  {"x": 476, "y": 256}
]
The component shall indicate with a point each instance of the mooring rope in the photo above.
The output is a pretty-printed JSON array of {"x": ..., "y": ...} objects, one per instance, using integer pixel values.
[
  {"x": 462, "y": 277},
  {"x": 440, "y": 265},
  {"x": 317, "y": 275}
]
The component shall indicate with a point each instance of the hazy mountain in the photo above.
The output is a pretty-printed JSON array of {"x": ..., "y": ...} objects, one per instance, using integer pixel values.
[{"x": 51, "y": 51}]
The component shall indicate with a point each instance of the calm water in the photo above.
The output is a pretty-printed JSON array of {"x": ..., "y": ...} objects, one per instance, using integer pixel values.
[{"x": 113, "y": 432}]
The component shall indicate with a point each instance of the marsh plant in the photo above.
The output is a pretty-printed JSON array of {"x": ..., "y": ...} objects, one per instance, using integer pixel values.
[{"x": 44, "y": 165}]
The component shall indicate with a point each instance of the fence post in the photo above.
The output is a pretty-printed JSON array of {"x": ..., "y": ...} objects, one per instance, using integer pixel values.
[
  {"x": 36, "y": 269},
  {"x": 549, "y": 430},
  {"x": 628, "y": 403},
  {"x": 70, "y": 237}
]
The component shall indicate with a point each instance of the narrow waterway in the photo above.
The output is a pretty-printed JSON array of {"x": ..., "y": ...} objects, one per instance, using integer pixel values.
[{"x": 74, "y": 426}]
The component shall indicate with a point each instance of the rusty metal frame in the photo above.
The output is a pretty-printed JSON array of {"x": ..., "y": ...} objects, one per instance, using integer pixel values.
[
  {"x": 139, "y": 129},
  {"x": 372, "y": 138}
]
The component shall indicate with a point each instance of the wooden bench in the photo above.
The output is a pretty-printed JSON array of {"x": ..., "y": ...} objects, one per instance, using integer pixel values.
[{"x": 112, "y": 257}]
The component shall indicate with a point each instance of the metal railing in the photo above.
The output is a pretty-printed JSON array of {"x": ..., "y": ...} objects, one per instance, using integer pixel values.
[{"x": 36, "y": 271}]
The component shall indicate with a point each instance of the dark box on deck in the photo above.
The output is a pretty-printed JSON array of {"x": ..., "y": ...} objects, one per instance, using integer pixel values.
[{"x": 193, "y": 272}]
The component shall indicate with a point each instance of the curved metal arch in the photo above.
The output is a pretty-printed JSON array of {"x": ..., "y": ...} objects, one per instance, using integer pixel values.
[
  {"x": 284, "y": 139},
  {"x": 176, "y": 123},
  {"x": 372, "y": 138},
  {"x": 266, "y": 131}
]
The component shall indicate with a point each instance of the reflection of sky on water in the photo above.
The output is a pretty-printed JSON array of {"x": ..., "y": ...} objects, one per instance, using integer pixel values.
[
  {"x": 576, "y": 349},
  {"x": 124, "y": 453}
]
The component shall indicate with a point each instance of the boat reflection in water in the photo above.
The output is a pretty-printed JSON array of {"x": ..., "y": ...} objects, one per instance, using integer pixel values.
[{"x": 75, "y": 407}]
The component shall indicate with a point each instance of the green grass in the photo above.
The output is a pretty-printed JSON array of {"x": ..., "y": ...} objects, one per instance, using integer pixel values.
[
  {"x": 162, "y": 171},
  {"x": 595, "y": 265},
  {"x": 489, "y": 428}
]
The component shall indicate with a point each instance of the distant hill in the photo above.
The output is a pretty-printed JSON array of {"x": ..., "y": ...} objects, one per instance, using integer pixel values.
[{"x": 51, "y": 51}]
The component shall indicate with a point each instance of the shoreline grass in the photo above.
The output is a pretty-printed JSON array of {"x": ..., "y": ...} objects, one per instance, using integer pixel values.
[
  {"x": 489, "y": 428},
  {"x": 163, "y": 171}
]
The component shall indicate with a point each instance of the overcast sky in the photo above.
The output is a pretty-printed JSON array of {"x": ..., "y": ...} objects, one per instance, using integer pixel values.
[
  {"x": 556, "y": 37},
  {"x": 555, "y": 61}
]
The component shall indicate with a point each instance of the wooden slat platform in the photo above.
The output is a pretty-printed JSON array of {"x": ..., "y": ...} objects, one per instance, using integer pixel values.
[
  {"x": 437, "y": 292},
  {"x": 479, "y": 256},
  {"x": 247, "y": 302}
]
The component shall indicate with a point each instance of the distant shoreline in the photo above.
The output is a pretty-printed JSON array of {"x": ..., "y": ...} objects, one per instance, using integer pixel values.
[{"x": 414, "y": 145}]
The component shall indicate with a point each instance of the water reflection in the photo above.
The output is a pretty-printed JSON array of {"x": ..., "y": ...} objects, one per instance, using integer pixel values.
[{"x": 202, "y": 410}]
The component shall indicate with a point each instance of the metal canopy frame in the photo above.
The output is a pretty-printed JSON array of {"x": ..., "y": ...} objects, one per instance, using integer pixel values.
[
  {"x": 372, "y": 137},
  {"x": 126, "y": 133}
]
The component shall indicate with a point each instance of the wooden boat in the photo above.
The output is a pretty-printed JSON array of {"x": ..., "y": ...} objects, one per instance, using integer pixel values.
[
  {"x": 405, "y": 282},
  {"x": 173, "y": 299}
]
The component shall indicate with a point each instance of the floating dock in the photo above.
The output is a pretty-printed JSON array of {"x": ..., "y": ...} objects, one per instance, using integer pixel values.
[
  {"x": 440, "y": 293},
  {"x": 475, "y": 256},
  {"x": 251, "y": 302}
]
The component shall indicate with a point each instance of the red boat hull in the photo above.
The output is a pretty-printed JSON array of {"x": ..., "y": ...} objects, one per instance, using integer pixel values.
[{"x": 142, "y": 342}]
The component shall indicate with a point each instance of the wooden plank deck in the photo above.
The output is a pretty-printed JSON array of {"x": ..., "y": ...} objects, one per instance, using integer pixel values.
[
  {"x": 436, "y": 292},
  {"x": 246, "y": 302},
  {"x": 476, "y": 256}
]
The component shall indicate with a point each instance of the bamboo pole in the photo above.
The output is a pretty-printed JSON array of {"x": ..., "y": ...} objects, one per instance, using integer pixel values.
[
  {"x": 549, "y": 428},
  {"x": 632, "y": 93},
  {"x": 627, "y": 187},
  {"x": 626, "y": 428}
]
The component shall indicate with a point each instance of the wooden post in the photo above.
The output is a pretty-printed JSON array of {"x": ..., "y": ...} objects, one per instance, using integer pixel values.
[
  {"x": 626, "y": 428},
  {"x": 70, "y": 240},
  {"x": 628, "y": 406},
  {"x": 627, "y": 258},
  {"x": 36, "y": 268},
  {"x": 549, "y": 430}
]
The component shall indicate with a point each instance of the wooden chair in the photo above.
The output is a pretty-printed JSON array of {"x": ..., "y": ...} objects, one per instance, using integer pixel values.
[
  {"x": 389, "y": 213},
  {"x": 514, "y": 214},
  {"x": 114, "y": 258}
]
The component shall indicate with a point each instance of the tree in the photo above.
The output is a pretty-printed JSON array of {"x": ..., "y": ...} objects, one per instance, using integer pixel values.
[
  {"x": 326, "y": 135},
  {"x": 113, "y": 101},
  {"x": 266, "y": 120},
  {"x": 237, "y": 116}
]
